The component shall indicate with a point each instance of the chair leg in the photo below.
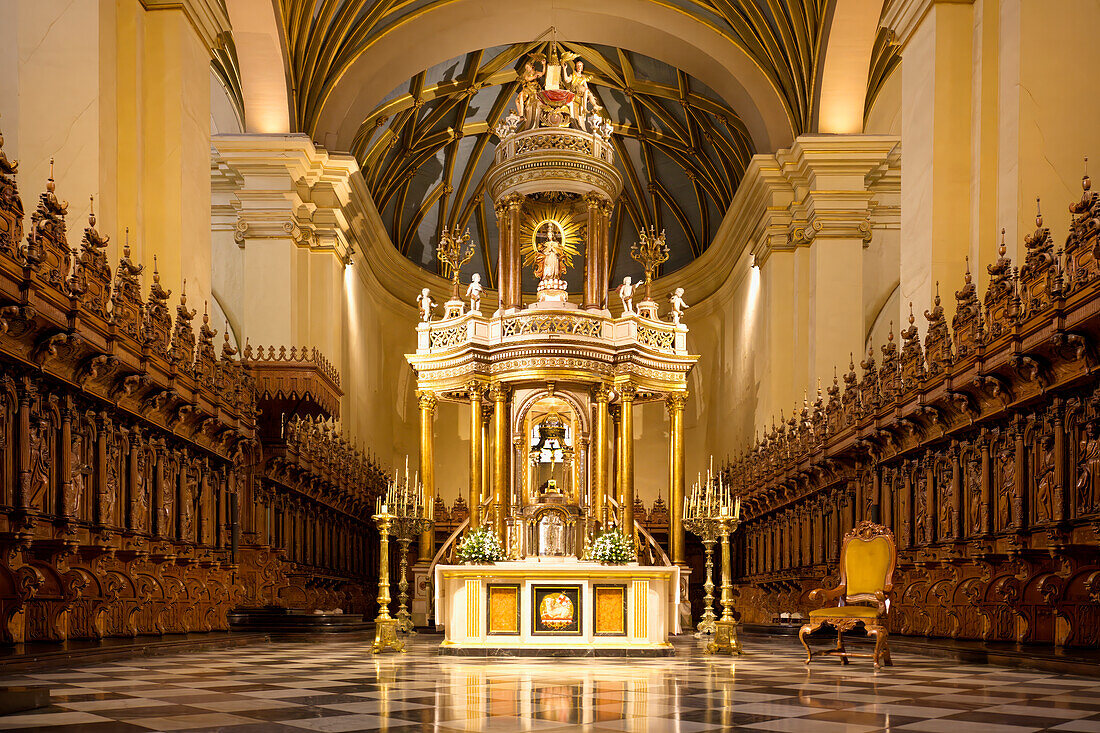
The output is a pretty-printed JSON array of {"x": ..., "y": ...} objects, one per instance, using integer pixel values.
[
  {"x": 840, "y": 647},
  {"x": 805, "y": 631},
  {"x": 882, "y": 647}
]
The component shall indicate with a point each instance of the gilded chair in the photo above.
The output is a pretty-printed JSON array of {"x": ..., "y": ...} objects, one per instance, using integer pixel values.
[{"x": 867, "y": 559}]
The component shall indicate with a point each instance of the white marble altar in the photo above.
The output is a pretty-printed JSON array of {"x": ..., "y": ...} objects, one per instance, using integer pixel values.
[{"x": 557, "y": 607}]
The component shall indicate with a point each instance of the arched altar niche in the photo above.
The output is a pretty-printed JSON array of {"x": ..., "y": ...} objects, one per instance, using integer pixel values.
[
  {"x": 532, "y": 412},
  {"x": 551, "y": 446}
]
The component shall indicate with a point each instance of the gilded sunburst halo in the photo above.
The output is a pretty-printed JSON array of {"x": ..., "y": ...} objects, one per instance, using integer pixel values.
[{"x": 540, "y": 219}]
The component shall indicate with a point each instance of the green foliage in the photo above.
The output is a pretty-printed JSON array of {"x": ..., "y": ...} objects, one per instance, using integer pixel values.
[
  {"x": 480, "y": 546},
  {"x": 611, "y": 547}
]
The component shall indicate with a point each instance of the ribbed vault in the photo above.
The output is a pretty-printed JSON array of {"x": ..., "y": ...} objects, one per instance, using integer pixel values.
[
  {"x": 324, "y": 38},
  {"x": 426, "y": 148}
]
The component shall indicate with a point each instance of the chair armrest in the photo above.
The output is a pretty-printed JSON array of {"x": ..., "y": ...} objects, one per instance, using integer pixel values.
[
  {"x": 882, "y": 596},
  {"x": 823, "y": 595}
]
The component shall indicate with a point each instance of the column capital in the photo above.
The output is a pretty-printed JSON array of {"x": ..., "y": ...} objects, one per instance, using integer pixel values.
[
  {"x": 675, "y": 401},
  {"x": 627, "y": 392},
  {"x": 602, "y": 393},
  {"x": 477, "y": 390},
  {"x": 426, "y": 400},
  {"x": 594, "y": 200},
  {"x": 903, "y": 17},
  {"x": 498, "y": 392}
]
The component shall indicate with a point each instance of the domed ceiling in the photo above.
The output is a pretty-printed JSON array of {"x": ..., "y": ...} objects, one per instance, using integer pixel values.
[{"x": 426, "y": 148}]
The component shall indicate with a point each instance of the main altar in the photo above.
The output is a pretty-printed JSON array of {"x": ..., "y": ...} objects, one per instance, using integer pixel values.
[{"x": 551, "y": 382}]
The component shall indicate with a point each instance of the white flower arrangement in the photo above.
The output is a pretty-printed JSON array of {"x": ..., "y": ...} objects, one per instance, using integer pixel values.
[
  {"x": 612, "y": 548},
  {"x": 480, "y": 546}
]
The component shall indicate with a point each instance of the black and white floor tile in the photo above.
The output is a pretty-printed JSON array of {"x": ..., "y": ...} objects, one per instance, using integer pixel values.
[{"x": 337, "y": 685}]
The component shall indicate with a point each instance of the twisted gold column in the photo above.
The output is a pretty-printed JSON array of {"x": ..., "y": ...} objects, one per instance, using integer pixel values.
[
  {"x": 628, "y": 395},
  {"x": 676, "y": 538},
  {"x": 476, "y": 392},
  {"x": 499, "y": 395},
  {"x": 427, "y": 402}
]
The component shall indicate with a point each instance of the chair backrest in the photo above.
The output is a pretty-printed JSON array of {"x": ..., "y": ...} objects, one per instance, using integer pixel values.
[{"x": 867, "y": 559}]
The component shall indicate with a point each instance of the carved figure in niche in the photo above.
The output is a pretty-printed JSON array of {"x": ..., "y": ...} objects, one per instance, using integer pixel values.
[
  {"x": 109, "y": 491},
  {"x": 626, "y": 295},
  {"x": 39, "y": 478},
  {"x": 425, "y": 302},
  {"x": 922, "y": 508},
  {"x": 474, "y": 293},
  {"x": 1088, "y": 470},
  {"x": 141, "y": 493},
  {"x": 76, "y": 492},
  {"x": 1006, "y": 469},
  {"x": 678, "y": 305},
  {"x": 1044, "y": 499},
  {"x": 973, "y": 474},
  {"x": 528, "y": 77},
  {"x": 186, "y": 512},
  {"x": 948, "y": 512}
]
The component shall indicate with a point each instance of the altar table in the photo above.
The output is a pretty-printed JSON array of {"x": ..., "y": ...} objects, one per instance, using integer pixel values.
[{"x": 557, "y": 607}]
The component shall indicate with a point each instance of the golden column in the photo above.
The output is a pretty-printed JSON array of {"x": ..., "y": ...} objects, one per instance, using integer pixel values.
[
  {"x": 600, "y": 463},
  {"x": 498, "y": 393},
  {"x": 594, "y": 291},
  {"x": 628, "y": 394},
  {"x": 486, "y": 454},
  {"x": 676, "y": 539},
  {"x": 476, "y": 392},
  {"x": 427, "y": 402},
  {"x": 606, "y": 208},
  {"x": 508, "y": 257}
]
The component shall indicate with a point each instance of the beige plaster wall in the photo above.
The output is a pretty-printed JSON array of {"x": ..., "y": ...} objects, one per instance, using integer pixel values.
[{"x": 119, "y": 96}]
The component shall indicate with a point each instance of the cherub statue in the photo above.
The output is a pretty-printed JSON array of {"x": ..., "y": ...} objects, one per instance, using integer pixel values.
[
  {"x": 678, "y": 305},
  {"x": 529, "y": 84},
  {"x": 474, "y": 293},
  {"x": 626, "y": 295},
  {"x": 424, "y": 300}
]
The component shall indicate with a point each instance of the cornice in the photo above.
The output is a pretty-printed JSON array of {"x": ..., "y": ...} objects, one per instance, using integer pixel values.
[
  {"x": 902, "y": 18},
  {"x": 209, "y": 18}
]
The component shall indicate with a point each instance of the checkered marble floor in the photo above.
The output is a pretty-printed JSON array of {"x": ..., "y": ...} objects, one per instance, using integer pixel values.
[{"x": 336, "y": 685}]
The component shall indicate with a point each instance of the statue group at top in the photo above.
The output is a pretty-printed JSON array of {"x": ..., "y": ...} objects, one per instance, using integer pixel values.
[{"x": 554, "y": 92}]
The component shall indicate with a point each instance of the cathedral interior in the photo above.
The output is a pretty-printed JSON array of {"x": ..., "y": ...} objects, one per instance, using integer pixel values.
[{"x": 549, "y": 366}]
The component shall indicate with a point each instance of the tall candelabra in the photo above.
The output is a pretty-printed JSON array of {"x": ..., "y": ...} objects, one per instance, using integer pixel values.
[
  {"x": 650, "y": 251},
  {"x": 712, "y": 513},
  {"x": 410, "y": 519},
  {"x": 385, "y": 627},
  {"x": 454, "y": 251}
]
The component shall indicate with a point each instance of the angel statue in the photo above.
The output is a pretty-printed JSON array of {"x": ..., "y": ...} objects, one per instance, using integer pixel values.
[
  {"x": 577, "y": 81},
  {"x": 526, "y": 100},
  {"x": 474, "y": 293},
  {"x": 678, "y": 305},
  {"x": 626, "y": 295},
  {"x": 548, "y": 264},
  {"x": 425, "y": 302}
]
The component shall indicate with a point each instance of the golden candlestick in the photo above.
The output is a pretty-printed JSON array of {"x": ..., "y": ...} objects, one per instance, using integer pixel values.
[
  {"x": 725, "y": 634},
  {"x": 385, "y": 628},
  {"x": 454, "y": 251},
  {"x": 649, "y": 252}
]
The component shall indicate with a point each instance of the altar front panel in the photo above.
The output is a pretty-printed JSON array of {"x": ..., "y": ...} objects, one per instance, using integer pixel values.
[{"x": 556, "y": 605}]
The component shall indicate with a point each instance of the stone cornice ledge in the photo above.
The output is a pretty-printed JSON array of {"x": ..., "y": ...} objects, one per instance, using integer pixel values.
[
  {"x": 903, "y": 17},
  {"x": 208, "y": 17}
]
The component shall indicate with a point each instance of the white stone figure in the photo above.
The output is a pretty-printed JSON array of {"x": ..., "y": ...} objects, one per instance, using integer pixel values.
[
  {"x": 424, "y": 300},
  {"x": 474, "y": 293},
  {"x": 626, "y": 295},
  {"x": 678, "y": 305}
]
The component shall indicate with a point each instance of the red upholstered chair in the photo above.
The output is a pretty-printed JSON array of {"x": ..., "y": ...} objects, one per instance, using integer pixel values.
[{"x": 867, "y": 560}]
